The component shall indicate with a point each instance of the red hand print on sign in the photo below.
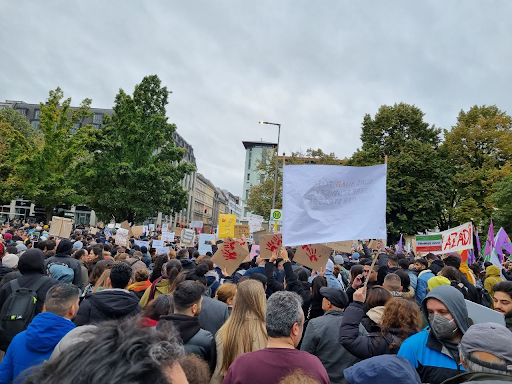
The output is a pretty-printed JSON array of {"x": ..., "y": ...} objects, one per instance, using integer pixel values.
[
  {"x": 228, "y": 250},
  {"x": 310, "y": 252},
  {"x": 274, "y": 244}
]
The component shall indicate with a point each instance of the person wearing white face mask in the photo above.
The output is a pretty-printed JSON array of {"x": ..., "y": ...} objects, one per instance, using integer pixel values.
[{"x": 434, "y": 351}]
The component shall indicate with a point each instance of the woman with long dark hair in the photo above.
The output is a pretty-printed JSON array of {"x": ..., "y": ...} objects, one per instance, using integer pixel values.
[{"x": 165, "y": 284}]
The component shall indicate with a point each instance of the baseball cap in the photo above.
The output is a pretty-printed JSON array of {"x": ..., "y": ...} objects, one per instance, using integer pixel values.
[
  {"x": 492, "y": 338},
  {"x": 337, "y": 297}
]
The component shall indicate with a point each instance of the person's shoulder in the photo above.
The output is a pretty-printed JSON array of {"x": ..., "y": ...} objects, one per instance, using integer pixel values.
[
  {"x": 214, "y": 303},
  {"x": 418, "y": 339}
]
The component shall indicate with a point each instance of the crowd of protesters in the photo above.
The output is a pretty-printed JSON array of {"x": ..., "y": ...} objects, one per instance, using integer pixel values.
[{"x": 85, "y": 310}]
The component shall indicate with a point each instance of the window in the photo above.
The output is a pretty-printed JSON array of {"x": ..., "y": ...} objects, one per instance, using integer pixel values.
[
  {"x": 35, "y": 124},
  {"x": 22, "y": 111},
  {"x": 248, "y": 176},
  {"x": 96, "y": 126},
  {"x": 249, "y": 163},
  {"x": 97, "y": 118},
  {"x": 37, "y": 114},
  {"x": 246, "y": 194}
]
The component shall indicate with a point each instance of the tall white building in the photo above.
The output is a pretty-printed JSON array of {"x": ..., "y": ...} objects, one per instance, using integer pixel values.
[{"x": 255, "y": 152}]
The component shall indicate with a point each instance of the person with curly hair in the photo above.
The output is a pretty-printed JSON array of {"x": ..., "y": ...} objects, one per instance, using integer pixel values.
[{"x": 401, "y": 319}]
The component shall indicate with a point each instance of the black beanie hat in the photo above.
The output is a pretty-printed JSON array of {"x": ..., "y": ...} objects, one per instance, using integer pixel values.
[
  {"x": 31, "y": 261},
  {"x": 65, "y": 247}
]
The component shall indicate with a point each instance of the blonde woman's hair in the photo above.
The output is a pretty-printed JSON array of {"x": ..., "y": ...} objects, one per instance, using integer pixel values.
[
  {"x": 225, "y": 292},
  {"x": 102, "y": 281},
  {"x": 171, "y": 253},
  {"x": 246, "y": 323},
  {"x": 120, "y": 257}
]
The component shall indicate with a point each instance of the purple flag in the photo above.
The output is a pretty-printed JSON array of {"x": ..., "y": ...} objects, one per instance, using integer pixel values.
[
  {"x": 502, "y": 243},
  {"x": 471, "y": 256},
  {"x": 400, "y": 245},
  {"x": 489, "y": 245},
  {"x": 478, "y": 243}
]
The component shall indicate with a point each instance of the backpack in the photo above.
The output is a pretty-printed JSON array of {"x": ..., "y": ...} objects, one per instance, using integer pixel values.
[
  {"x": 18, "y": 310},
  {"x": 485, "y": 297}
]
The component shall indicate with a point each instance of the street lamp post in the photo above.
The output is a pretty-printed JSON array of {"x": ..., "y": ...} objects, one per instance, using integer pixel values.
[{"x": 277, "y": 156}]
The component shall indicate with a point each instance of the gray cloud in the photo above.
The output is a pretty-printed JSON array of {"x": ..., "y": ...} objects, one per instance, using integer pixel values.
[{"x": 314, "y": 67}]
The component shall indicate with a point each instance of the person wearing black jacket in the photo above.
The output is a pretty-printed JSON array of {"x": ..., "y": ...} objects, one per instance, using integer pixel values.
[
  {"x": 401, "y": 319},
  {"x": 31, "y": 267},
  {"x": 63, "y": 257},
  {"x": 188, "y": 297},
  {"x": 110, "y": 304},
  {"x": 454, "y": 261}
]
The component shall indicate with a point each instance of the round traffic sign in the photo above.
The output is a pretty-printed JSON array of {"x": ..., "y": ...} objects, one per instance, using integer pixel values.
[{"x": 276, "y": 215}]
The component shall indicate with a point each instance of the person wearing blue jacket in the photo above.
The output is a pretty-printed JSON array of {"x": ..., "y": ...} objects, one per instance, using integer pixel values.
[
  {"x": 35, "y": 345},
  {"x": 434, "y": 351},
  {"x": 424, "y": 275}
]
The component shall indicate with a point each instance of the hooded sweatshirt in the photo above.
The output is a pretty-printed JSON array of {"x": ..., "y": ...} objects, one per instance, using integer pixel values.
[
  {"x": 382, "y": 369},
  {"x": 109, "y": 304},
  {"x": 63, "y": 257},
  {"x": 35, "y": 345},
  {"x": 492, "y": 277},
  {"x": 430, "y": 356}
]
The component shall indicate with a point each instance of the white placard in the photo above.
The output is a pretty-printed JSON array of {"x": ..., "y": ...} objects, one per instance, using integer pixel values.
[
  {"x": 255, "y": 224},
  {"x": 326, "y": 203},
  {"x": 196, "y": 224},
  {"x": 162, "y": 250},
  {"x": 122, "y": 237},
  {"x": 168, "y": 236},
  {"x": 158, "y": 243},
  {"x": 205, "y": 243},
  {"x": 141, "y": 243},
  {"x": 165, "y": 228},
  {"x": 187, "y": 236},
  {"x": 151, "y": 227},
  {"x": 145, "y": 229},
  {"x": 480, "y": 314}
]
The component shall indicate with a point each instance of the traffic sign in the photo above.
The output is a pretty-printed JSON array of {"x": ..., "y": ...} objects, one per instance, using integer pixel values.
[{"x": 276, "y": 215}]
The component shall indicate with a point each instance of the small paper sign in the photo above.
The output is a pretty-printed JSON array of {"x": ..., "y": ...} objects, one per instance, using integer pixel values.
[
  {"x": 61, "y": 227},
  {"x": 168, "y": 236},
  {"x": 226, "y": 226},
  {"x": 229, "y": 255},
  {"x": 341, "y": 246},
  {"x": 177, "y": 232},
  {"x": 137, "y": 231},
  {"x": 158, "y": 243},
  {"x": 162, "y": 250},
  {"x": 270, "y": 243},
  {"x": 94, "y": 231},
  {"x": 205, "y": 243},
  {"x": 242, "y": 229},
  {"x": 207, "y": 229},
  {"x": 165, "y": 228},
  {"x": 122, "y": 237},
  {"x": 141, "y": 243},
  {"x": 196, "y": 224},
  {"x": 314, "y": 256},
  {"x": 187, "y": 237}
]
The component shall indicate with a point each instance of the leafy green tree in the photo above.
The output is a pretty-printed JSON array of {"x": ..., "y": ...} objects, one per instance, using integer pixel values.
[
  {"x": 133, "y": 169},
  {"x": 479, "y": 150},
  {"x": 502, "y": 199},
  {"x": 416, "y": 171},
  {"x": 14, "y": 147},
  {"x": 260, "y": 196},
  {"x": 47, "y": 174}
]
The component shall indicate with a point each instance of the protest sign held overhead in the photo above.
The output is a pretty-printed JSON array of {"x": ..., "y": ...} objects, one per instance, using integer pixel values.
[
  {"x": 137, "y": 230},
  {"x": 451, "y": 240},
  {"x": 255, "y": 223},
  {"x": 196, "y": 224},
  {"x": 205, "y": 243},
  {"x": 165, "y": 227},
  {"x": 158, "y": 243},
  {"x": 242, "y": 230},
  {"x": 341, "y": 246},
  {"x": 122, "y": 237},
  {"x": 230, "y": 255},
  {"x": 323, "y": 203},
  {"x": 187, "y": 237},
  {"x": 61, "y": 226},
  {"x": 270, "y": 243},
  {"x": 314, "y": 256},
  {"x": 226, "y": 226},
  {"x": 168, "y": 236}
]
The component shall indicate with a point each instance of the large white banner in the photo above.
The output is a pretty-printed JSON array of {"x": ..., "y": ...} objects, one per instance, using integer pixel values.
[{"x": 325, "y": 203}]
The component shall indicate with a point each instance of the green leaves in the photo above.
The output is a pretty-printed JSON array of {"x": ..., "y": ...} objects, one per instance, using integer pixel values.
[{"x": 134, "y": 169}]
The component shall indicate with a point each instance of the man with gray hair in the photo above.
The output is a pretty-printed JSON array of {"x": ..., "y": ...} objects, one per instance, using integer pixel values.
[
  {"x": 393, "y": 283},
  {"x": 284, "y": 322},
  {"x": 486, "y": 354}
]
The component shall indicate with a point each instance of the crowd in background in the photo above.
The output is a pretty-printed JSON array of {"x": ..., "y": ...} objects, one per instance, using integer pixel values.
[{"x": 85, "y": 310}]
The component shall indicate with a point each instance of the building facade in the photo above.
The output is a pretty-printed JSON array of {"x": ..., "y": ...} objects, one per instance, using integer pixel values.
[
  {"x": 255, "y": 152},
  {"x": 24, "y": 209}
]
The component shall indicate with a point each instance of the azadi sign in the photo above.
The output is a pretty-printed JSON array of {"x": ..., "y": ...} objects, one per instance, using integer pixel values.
[{"x": 452, "y": 240}]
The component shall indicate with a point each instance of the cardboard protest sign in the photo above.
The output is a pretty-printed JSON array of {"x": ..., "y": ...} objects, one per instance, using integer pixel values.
[
  {"x": 177, "y": 232},
  {"x": 229, "y": 255},
  {"x": 242, "y": 229},
  {"x": 314, "y": 256},
  {"x": 93, "y": 231},
  {"x": 196, "y": 224},
  {"x": 341, "y": 246},
  {"x": 207, "y": 229},
  {"x": 226, "y": 226},
  {"x": 141, "y": 243},
  {"x": 61, "y": 227},
  {"x": 168, "y": 236},
  {"x": 256, "y": 236},
  {"x": 270, "y": 243},
  {"x": 451, "y": 240},
  {"x": 377, "y": 244},
  {"x": 187, "y": 237},
  {"x": 157, "y": 243},
  {"x": 323, "y": 203},
  {"x": 122, "y": 237},
  {"x": 137, "y": 231},
  {"x": 205, "y": 243}
]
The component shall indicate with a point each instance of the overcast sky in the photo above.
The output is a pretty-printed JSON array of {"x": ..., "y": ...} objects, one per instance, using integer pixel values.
[{"x": 316, "y": 67}]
